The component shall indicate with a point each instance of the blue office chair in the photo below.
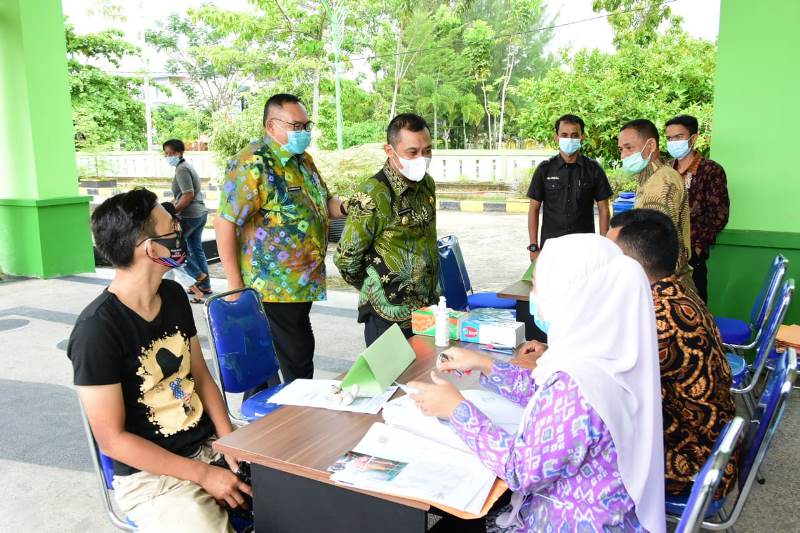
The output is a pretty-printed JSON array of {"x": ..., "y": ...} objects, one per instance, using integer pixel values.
[
  {"x": 709, "y": 477},
  {"x": 104, "y": 470},
  {"x": 746, "y": 376},
  {"x": 454, "y": 279},
  {"x": 244, "y": 353},
  {"x": 758, "y": 436},
  {"x": 741, "y": 335}
]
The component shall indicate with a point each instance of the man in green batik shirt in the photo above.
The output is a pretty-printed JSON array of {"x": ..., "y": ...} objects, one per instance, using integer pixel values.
[{"x": 388, "y": 247}]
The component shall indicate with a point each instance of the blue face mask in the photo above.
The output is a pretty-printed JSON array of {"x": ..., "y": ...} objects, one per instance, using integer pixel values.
[
  {"x": 678, "y": 149},
  {"x": 543, "y": 325},
  {"x": 569, "y": 146},
  {"x": 298, "y": 141},
  {"x": 172, "y": 160},
  {"x": 635, "y": 163}
]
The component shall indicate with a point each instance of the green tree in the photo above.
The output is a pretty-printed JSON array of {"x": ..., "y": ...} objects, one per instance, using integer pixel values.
[
  {"x": 172, "y": 121},
  {"x": 105, "y": 108},
  {"x": 672, "y": 75},
  {"x": 635, "y": 22}
]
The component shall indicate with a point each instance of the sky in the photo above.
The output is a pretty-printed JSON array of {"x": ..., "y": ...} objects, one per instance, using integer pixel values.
[{"x": 700, "y": 19}]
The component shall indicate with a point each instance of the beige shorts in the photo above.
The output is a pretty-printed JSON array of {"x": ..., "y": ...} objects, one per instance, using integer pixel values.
[{"x": 169, "y": 504}]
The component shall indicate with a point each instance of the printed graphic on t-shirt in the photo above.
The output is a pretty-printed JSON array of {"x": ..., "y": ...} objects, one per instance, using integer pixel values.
[{"x": 167, "y": 387}]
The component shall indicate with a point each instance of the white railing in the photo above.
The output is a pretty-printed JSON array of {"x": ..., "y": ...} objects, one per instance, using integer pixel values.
[{"x": 447, "y": 165}]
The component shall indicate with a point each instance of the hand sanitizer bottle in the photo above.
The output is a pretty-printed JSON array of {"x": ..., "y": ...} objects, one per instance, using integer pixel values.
[{"x": 442, "y": 334}]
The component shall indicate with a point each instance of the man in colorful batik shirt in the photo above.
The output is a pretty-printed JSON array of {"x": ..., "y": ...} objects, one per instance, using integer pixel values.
[
  {"x": 388, "y": 248},
  {"x": 272, "y": 229},
  {"x": 659, "y": 186}
]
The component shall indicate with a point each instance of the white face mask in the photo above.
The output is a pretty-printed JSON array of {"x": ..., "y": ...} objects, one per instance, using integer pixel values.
[{"x": 413, "y": 169}]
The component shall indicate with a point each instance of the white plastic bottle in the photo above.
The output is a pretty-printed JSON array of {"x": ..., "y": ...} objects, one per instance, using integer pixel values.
[{"x": 442, "y": 335}]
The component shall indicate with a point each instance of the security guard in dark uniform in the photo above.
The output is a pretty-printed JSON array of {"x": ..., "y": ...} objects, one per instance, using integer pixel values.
[{"x": 568, "y": 184}]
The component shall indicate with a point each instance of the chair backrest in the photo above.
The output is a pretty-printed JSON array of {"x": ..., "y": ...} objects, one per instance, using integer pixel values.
[
  {"x": 104, "y": 470},
  {"x": 766, "y": 342},
  {"x": 451, "y": 278},
  {"x": 709, "y": 477},
  {"x": 767, "y": 416},
  {"x": 769, "y": 289},
  {"x": 241, "y": 339}
]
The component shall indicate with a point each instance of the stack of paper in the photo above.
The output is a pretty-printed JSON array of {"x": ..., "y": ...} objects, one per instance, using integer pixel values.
[
  {"x": 404, "y": 414},
  {"x": 410, "y": 466},
  {"x": 317, "y": 393}
]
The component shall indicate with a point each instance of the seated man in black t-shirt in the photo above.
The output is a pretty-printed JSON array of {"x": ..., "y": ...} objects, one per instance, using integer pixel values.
[{"x": 151, "y": 402}]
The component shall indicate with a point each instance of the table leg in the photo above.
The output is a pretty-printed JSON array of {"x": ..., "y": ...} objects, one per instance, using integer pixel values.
[
  {"x": 532, "y": 332},
  {"x": 285, "y": 503}
]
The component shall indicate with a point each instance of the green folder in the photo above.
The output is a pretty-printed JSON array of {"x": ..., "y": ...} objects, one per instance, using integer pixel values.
[
  {"x": 380, "y": 364},
  {"x": 528, "y": 275}
]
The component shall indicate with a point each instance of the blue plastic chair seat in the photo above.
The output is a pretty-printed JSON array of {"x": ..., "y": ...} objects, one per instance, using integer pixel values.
[
  {"x": 489, "y": 299},
  {"x": 733, "y": 330},
  {"x": 676, "y": 504},
  {"x": 738, "y": 368},
  {"x": 258, "y": 405}
]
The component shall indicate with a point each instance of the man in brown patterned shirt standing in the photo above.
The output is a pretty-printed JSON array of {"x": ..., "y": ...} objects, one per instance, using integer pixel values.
[
  {"x": 708, "y": 194},
  {"x": 659, "y": 186},
  {"x": 696, "y": 399}
]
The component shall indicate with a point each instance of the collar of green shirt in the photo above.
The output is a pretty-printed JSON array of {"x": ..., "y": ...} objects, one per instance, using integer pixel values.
[
  {"x": 282, "y": 153},
  {"x": 398, "y": 182},
  {"x": 649, "y": 170}
]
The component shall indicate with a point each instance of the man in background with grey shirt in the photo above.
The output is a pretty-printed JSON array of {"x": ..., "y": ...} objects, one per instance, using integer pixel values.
[{"x": 188, "y": 200}]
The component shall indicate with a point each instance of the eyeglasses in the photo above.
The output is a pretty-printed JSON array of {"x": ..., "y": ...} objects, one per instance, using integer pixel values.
[
  {"x": 168, "y": 239},
  {"x": 297, "y": 126}
]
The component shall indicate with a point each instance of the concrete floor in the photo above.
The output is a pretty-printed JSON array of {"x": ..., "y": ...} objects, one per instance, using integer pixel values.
[{"x": 47, "y": 482}]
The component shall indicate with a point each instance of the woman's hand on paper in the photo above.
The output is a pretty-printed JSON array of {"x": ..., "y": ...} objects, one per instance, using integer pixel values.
[
  {"x": 528, "y": 354},
  {"x": 464, "y": 360},
  {"x": 438, "y": 399}
]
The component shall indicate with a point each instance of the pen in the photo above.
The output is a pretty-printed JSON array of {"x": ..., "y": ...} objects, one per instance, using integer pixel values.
[
  {"x": 508, "y": 350},
  {"x": 444, "y": 357}
]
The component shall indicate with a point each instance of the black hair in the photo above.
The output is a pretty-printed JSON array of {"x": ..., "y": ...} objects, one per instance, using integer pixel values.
[
  {"x": 277, "y": 101},
  {"x": 119, "y": 223},
  {"x": 176, "y": 145},
  {"x": 643, "y": 127},
  {"x": 570, "y": 119},
  {"x": 687, "y": 121},
  {"x": 650, "y": 237},
  {"x": 404, "y": 121}
]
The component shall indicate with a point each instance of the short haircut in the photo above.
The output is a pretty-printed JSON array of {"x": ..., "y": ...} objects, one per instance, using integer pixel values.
[
  {"x": 119, "y": 223},
  {"x": 176, "y": 145},
  {"x": 277, "y": 101},
  {"x": 570, "y": 119},
  {"x": 650, "y": 237},
  {"x": 643, "y": 127},
  {"x": 687, "y": 121},
  {"x": 404, "y": 121}
]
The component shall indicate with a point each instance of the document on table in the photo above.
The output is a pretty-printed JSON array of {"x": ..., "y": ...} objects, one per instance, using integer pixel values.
[
  {"x": 403, "y": 413},
  {"x": 432, "y": 472},
  {"x": 317, "y": 393}
]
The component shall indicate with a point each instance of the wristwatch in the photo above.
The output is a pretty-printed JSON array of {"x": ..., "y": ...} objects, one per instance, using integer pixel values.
[{"x": 533, "y": 247}]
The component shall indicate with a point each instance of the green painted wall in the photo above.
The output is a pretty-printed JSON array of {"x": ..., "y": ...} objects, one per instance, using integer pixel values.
[
  {"x": 755, "y": 110},
  {"x": 43, "y": 221}
]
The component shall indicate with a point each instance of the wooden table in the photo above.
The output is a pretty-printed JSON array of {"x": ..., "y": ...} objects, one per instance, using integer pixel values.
[
  {"x": 521, "y": 292},
  {"x": 290, "y": 450}
]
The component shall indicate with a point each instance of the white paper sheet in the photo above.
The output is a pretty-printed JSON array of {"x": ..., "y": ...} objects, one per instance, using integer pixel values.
[
  {"x": 434, "y": 472},
  {"x": 315, "y": 392},
  {"x": 403, "y": 413}
]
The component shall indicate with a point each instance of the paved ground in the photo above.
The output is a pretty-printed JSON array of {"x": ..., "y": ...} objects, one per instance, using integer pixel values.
[{"x": 47, "y": 483}]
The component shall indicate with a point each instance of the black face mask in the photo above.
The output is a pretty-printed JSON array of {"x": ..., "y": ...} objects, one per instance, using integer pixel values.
[{"x": 177, "y": 250}]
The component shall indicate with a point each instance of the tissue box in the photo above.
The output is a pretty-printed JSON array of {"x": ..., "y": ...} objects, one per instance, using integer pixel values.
[
  {"x": 423, "y": 322},
  {"x": 492, "y": 326}
]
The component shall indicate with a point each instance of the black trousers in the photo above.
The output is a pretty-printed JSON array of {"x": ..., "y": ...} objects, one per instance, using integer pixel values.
[
  {"x": 375, "y": 325},
  {"x": 293, "y": 338},
  {"x": 700, "y": 274}
]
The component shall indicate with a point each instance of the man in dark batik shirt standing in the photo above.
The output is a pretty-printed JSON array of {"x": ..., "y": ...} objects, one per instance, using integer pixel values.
[{"x": 707, "y": 186}]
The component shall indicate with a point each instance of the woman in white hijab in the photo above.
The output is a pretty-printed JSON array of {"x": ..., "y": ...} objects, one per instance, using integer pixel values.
[{"x": 588, "y": 455}]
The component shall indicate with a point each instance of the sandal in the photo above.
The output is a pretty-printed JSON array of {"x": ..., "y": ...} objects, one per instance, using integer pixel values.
[{"x": 197, "y": 300}]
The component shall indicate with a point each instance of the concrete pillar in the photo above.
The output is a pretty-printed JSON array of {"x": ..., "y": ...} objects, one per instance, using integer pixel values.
[{"x": 44, "y": 229}]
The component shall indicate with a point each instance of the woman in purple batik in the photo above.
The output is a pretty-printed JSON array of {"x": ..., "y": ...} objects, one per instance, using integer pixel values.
[{"x": 588, "y": 455}]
